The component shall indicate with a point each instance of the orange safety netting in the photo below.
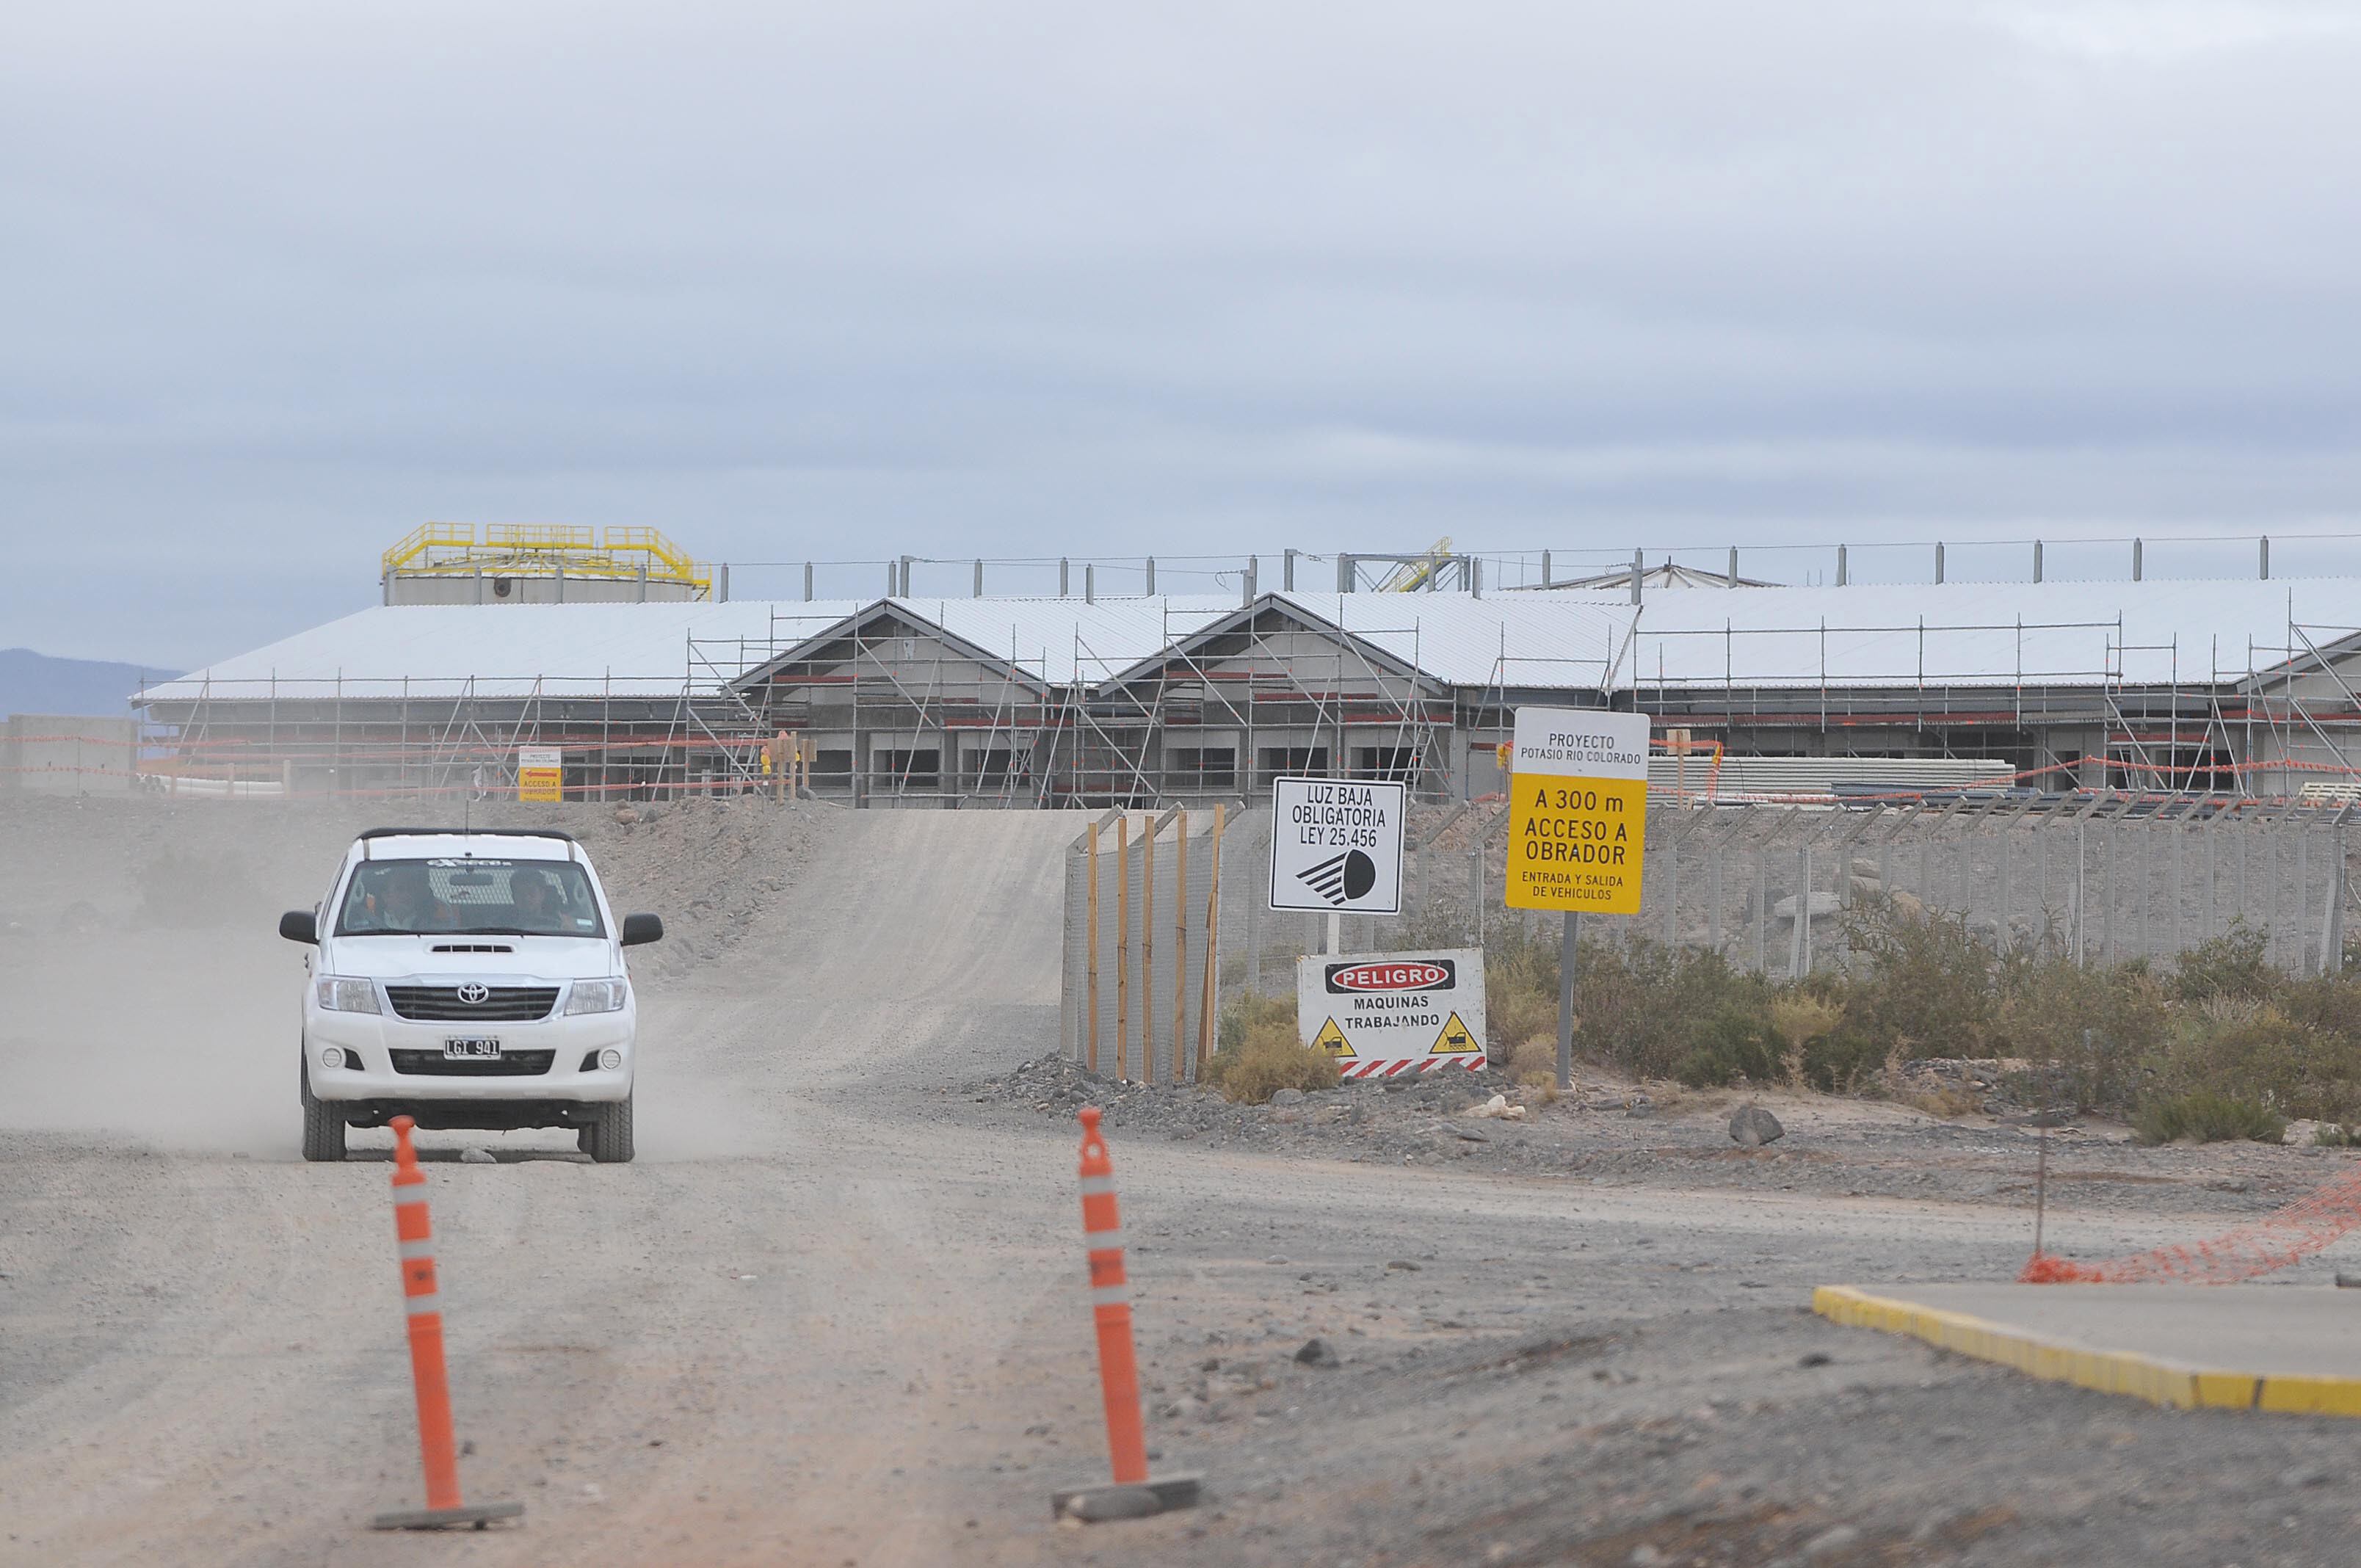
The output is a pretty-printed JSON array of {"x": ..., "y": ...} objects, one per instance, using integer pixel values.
[{"x": 2280, "y": 1238}]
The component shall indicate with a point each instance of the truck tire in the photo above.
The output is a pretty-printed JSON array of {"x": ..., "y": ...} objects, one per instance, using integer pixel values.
[
  {"x": 607, "y": 1139},
  {"x": 323, "y": 1125}
]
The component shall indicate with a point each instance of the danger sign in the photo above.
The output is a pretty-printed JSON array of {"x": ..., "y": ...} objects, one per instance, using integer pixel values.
[
  {"x": 1577, "y": 810},
  {"x": 1380, "y": 1015}
]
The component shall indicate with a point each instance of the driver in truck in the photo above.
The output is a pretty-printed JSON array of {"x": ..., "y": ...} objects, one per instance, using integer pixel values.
[{"x": 408, "y": 902}]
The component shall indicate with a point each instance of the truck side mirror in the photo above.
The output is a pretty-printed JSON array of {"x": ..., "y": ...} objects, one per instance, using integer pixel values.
[
  {"x": 641, "y": 928},
  {"x": 300, "y": 925}
]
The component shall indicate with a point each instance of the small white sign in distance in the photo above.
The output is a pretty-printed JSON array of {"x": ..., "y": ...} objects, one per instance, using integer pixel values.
[
  {"x": 1337, "y": 845},
  {"x": 1580, "y": 743},
  {"x": 1385, "y": 1014}
]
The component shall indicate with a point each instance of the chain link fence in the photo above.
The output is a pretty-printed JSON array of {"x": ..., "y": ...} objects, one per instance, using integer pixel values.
[{"x": 1767, "y": 887}]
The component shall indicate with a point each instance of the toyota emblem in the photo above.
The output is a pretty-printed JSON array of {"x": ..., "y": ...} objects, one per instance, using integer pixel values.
[{"x": 473, "y": 994}]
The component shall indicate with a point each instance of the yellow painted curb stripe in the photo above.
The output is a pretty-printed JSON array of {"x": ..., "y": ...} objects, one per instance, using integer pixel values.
[{"x": 2107, "y": 1371}]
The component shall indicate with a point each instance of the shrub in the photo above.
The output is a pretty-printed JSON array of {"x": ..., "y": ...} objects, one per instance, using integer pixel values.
[
  {"x": 2251, "y": 1050},
  {"x": 1799, "y": 1018},
  {"x": 2328, "y": 1003},
  {"x": 1643, "y": 1004},
  {"x": 1260, "y": 1055},
  {"x": 2208, "y": 1119},
  {"x": 1926, "y": 987},
  {"x": 2231, "y": 965},
  {"x": 1243, "y": 1016},
  {"x": 1516, "y": 1019},
  {"x": 1847, "y": 1060},
  {"x": 1734, "y": 1042},
  {"x": 2084, "y": 1031},
  {"x": 1251, "y": 1074},
  {"x": 1535, "y": 1056}
]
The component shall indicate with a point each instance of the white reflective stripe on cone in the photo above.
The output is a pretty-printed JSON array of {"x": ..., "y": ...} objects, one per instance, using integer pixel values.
[
  {"x": 418, "y": 1306},
  {"x": 1110, "y": 1295},
  {"x": 1103, "y": 1241},
  {"x": 423, "y": 1248},
  {"x": 1093, "y": 1186}
]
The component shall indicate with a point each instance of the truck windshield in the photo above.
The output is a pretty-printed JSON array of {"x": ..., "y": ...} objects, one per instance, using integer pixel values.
[{"x": 472, "y": 896}]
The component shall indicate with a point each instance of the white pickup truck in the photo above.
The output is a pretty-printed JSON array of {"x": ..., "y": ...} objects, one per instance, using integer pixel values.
[{"x": 468, "y": 979}]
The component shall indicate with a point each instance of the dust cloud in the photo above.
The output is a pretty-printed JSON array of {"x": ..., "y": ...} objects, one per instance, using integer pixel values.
[
  {"x": 143, "y": 990},
  {"x": 145, "y": 994}
]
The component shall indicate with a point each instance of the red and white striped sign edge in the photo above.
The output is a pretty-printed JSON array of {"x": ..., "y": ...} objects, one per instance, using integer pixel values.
[{"x": 1394, "y": 1067}]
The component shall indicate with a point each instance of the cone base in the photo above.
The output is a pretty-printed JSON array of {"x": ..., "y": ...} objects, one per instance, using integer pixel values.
[
  {"x": 475, "y": 1516},
  {"x": 1156, "y": 1495}
]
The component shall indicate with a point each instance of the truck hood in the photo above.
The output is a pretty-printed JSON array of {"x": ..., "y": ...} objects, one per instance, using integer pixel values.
[{"x": 415, "y": 957}]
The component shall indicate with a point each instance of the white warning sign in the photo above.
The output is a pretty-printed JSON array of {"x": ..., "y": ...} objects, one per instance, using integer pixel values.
[
  {"x": 1380, "y": 1015},
  {"x": 1337, "y": 845}
]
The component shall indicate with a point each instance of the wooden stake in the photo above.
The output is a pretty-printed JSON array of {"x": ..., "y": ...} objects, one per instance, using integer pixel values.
[
  {"x": 1122, "y": 944},
  {"x": 1091, "y": 1061},
  {"x": 1148, "y": 955},
  {"x": 1213, "y": 942},
  {"x": 1180, "y": 948}
]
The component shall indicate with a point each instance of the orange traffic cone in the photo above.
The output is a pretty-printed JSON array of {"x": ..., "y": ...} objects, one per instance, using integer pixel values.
[
  {"x": 1134, "y": 1493},
  {"x": 414, "y": 1230}
]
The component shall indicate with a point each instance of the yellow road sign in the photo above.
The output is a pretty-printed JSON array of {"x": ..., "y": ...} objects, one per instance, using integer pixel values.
[
  {"x": 1331, "y": 1039},
  {"x": 541, "y": 774},
  {"x": 1577, "y": 811}
]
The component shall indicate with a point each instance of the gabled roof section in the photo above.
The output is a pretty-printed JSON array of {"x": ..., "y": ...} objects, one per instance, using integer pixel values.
[
  {"x": 1535, "y": 641},
  {"x": 1043, "y": 643},
  {"x": 1204, "y": 645}
]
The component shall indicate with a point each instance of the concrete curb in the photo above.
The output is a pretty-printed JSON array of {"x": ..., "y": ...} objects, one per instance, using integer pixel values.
[{"x": 2152, "y": 1378}]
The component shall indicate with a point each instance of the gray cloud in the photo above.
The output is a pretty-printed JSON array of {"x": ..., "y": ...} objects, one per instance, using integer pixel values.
[{"x": 855, "y": 280}]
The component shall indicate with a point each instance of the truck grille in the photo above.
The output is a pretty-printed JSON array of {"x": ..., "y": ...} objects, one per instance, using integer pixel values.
[
  {"x": 516, "y": 1064},
  {"x": 440, "y": 1003}
]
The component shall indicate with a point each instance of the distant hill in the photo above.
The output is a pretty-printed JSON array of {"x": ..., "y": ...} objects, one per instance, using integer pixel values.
[{"x": 35, "y": 683}]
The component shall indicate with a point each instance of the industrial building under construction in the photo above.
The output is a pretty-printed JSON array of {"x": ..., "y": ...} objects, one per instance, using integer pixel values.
[{"x": 630, "y": 658}]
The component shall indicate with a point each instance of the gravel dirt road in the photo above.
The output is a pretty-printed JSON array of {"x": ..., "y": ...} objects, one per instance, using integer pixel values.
[{"x": 834, "y": 1314}]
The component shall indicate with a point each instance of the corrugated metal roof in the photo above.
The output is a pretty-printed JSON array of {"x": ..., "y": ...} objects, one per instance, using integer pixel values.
[
  {"x": 1066, "y": 641},
  {"x": 1564, "y": 640},
  {"x": 1954, "y": 633},
  {"x": 560, "y": 650},
  {"x": 1977, "y": 633}
]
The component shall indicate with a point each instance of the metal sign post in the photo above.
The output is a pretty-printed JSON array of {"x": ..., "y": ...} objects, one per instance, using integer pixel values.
[{"x": 1569, "y": 944}]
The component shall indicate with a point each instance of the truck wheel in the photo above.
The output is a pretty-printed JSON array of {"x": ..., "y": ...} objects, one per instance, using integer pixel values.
[
  {"x": 608, "y": 1138},
  {"x": 323, "y": 1125}
]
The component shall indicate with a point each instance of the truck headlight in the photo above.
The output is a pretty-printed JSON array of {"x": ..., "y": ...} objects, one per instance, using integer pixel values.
[
  {"x": 341, "y": 994},
  {"x": 598, "y": 996}
]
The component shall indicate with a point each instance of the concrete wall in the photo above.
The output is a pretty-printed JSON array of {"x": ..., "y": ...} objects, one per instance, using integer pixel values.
[{"x": 46, "y": 753}]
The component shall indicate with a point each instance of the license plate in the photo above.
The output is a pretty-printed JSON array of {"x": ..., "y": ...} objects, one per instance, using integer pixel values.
[{"x": 470, "y": 1048}]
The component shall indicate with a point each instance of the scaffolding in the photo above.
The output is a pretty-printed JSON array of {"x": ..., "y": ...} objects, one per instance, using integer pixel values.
[{"x": 888, "y": 707}]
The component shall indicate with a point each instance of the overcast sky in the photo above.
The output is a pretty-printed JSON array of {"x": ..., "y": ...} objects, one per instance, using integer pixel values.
[{"x": 792, "y": 281}]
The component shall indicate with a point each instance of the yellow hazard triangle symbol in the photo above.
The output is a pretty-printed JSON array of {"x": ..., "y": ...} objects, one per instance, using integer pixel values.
[
  {"x": 1454, "y": 1041},
  {"x": 1331, "y": 1039}
]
